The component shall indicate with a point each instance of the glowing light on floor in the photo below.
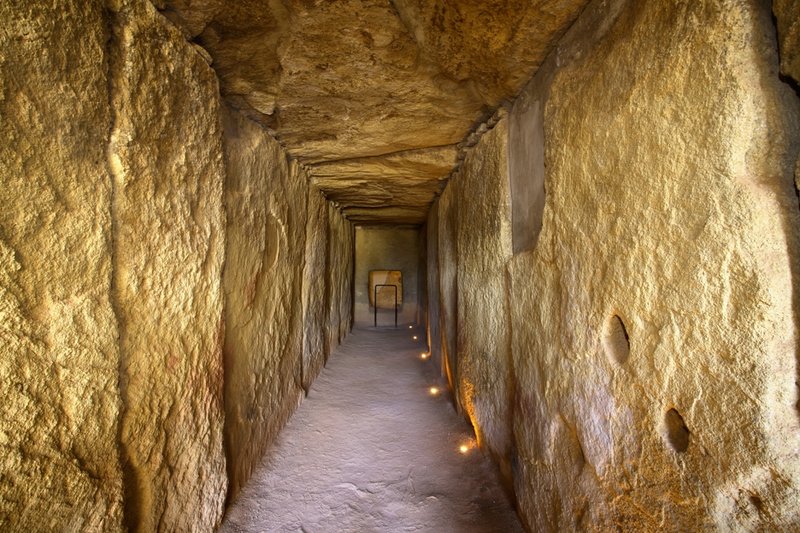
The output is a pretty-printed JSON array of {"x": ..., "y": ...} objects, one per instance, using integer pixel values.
[
  {"x": 410, "y": 327},
  {"x": 463, "y": 448},
  {"x": 415, "y": 337},
  {"x": 424, "y": 355},
  {"x": 434, "y": 391}
]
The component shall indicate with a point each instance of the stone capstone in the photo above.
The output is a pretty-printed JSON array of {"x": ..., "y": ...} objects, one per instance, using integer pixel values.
[{"x": 362, "y": 92}]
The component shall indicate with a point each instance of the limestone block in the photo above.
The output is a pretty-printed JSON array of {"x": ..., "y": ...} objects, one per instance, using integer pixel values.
[
  {"x": 265, "y": 198},
  {"x": 314, "y": 288},
  {"x": 59, "y": 465},
  {"x": 476, "y": 40},
  {"x": 387, "y": 249},
  {"x": 340, "y": 275},
  {"x": 484, "y": 246},
  {"x": 434, "y": 330},
  {"x": 787, "y": 16},
  {"x": 382, "y": 296},
  {"x": 347, "y": 258},
  {"x": 169, "y": 239},
  {"x": 654, "y": 332},
  {"x": 447, "y": 215}
]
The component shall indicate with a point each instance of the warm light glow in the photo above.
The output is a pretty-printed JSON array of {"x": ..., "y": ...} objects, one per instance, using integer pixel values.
[
  {"x": 423, "y": 355},
  {"x": 410, "y": 327},
  {"x": 434, "y": 391},
  {"x": 463, "y": 448},
  {"x": 414, "y": 337}
]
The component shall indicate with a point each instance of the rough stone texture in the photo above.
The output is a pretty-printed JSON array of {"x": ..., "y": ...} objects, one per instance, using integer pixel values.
[
  {"x": 387, "y": 248},
  {"x": 341, "y": 249},
  {"x": 422, "y": 279},
  {"x": 447, "y": 214},
  {"x": 112, "y": 237},
  {"x": 787, "y": 16},
  {"x": 373, "y": 84},
  {"x": 483, "y": 242},
  {"x": 670, "y": 211},
  {"x": 166, "y": 157},
  {"x": 314, "y": 288},
  {"x": 526, "y": 167},
  {"x": 433, "y": 314},
  {"x": 59, "y": 466},
  {"x": 266, "y": 203}
]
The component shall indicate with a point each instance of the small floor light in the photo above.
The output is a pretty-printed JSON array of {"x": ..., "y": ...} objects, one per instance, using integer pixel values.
[
  {"x": 410, "y": 327},
  {"x": 424, "y": 355},
  {"x": 414, "y": 337},
  {"x": 463, "y": 448},
  {"x": 434, "y": 391}
]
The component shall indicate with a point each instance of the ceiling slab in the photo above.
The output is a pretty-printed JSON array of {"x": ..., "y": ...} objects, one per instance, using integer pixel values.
[{"x": 371, "y": 91}]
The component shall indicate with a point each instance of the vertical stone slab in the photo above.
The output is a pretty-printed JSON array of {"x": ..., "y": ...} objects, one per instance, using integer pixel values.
[
  {"x": 59, "y": 464},
  {"x": 265, "y": 199},
  {"x": 787, "y": 18},
  {"x": 484, "y": 246},
  {"x": 655, "y": 333},
  {"x": 447, "y": 216},
  {"x": 347, "y": 252},
  {"x": 387, "y": 248},
  {"x": 169, "y": 238},
  {"x": 340, "y": 274},
  {"x": 432, "y": 272},
  {"x": 314, "y": 280}
]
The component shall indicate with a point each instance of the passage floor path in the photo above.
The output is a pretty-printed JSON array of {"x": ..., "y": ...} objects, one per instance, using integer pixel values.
[{"x": 372, "y": 450}]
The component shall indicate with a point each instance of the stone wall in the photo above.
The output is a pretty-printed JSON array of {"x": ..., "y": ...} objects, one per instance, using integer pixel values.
[
  {"x": 341, "y": 269},
  {"x": 433, "y": 314},
  {"x": 286, "y": 248},
  {"x": 59, "y": 356},
  {"x": 447, "y": 219},
  {"x": 654, "y": 322},
  {"x": 265, "y": 200},
  {"x": 483, "y": 246},
  {"x": 315, "y": 304},
  {"x": 169, "y": 242},
  {"x": 135, "y": 366},
  {"x": 387, "y": 248}
]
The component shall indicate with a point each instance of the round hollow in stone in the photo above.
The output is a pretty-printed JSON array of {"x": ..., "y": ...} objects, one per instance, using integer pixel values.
[
  {"x": 616, "y": 342},
  {"x": 677, "y": 432}
]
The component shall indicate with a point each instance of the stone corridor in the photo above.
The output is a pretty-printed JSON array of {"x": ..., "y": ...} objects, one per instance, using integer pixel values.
[
  {"x": 371, "y": 449},
  {"x": 587, "y": 210}
]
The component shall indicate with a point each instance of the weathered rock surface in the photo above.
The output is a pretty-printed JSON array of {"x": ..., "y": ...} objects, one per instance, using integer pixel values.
[
  {"x": 315, "y": 305},
  {"x": 371, "y": 83},
  {"x": 266, "y": 204},
  {"x": 654, "y": 332},
  {"x": 341, "y": 267},
  {"x": 59, "y": 465},
  {"x": 483, "y": 243},
  {"x": 431, "y": 303},
  {"x": 787, "y": 17},
  {"x": 112, "y": 239},
  {"x": 447, "y": 217},
  {"x": 166, "y": 158},
  {"x": 473, "y": 250}
]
